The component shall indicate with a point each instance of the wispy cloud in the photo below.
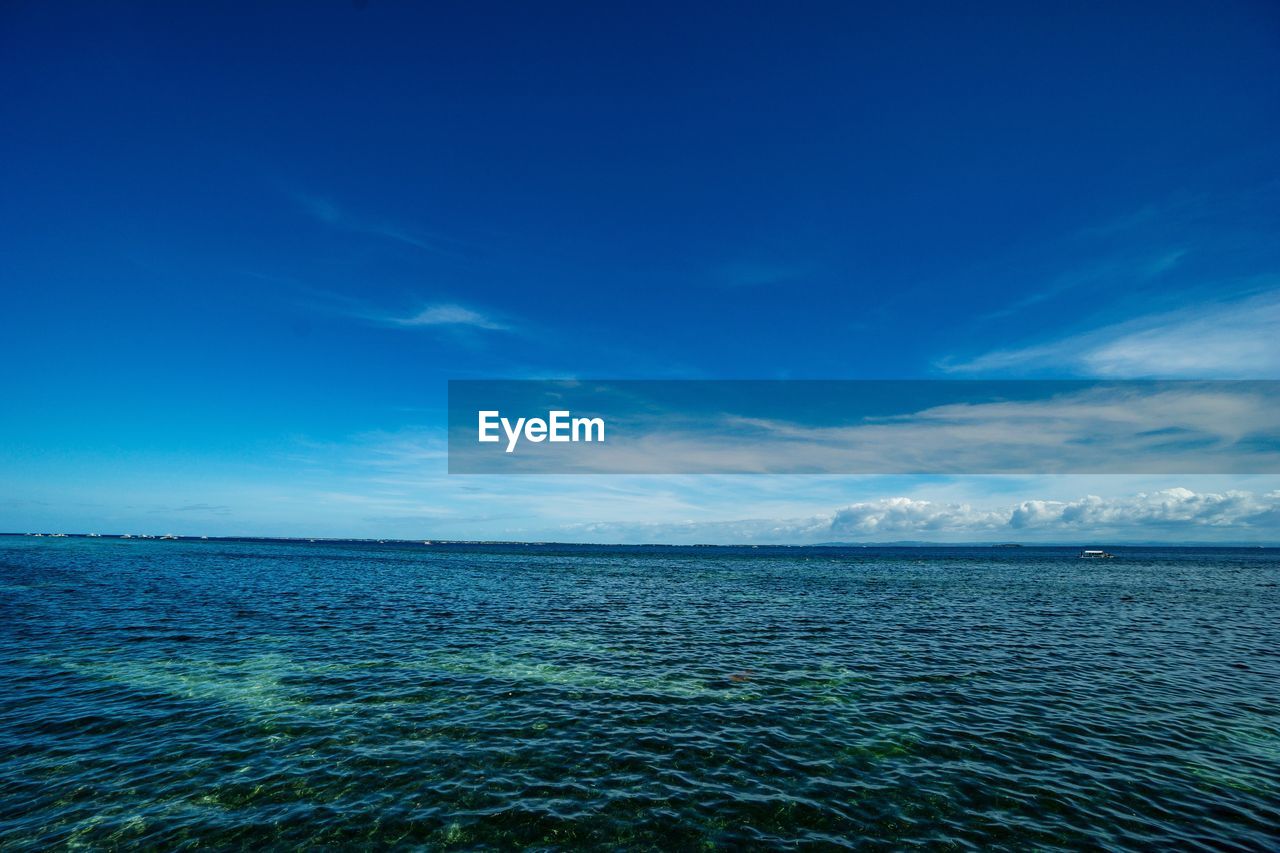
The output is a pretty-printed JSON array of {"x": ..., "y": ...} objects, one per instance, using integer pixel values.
[
  {"x": 1115, "y": 273},
  {"x": 752, "y": 274},
  {"x": 1228, "y": 339},
  {"x": 204, "y": 508},
  {"x": 446, "y": 314},
  {"x": 330, "y": 213},
  {"x": 443, "y": 315}
]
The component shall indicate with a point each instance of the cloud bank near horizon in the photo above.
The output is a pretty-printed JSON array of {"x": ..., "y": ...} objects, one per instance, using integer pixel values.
[{"x": 1178, "y": 514}]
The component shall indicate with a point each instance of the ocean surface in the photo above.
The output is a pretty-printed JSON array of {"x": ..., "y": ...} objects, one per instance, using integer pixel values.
[{"x": 170, "y": 694}]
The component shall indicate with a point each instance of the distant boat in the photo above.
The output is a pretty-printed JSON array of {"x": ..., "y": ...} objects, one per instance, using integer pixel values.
[{"x": 1095, "y": 554}]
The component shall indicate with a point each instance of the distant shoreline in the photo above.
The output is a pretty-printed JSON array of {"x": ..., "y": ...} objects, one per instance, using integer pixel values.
[{"x": 817, "y": 546}]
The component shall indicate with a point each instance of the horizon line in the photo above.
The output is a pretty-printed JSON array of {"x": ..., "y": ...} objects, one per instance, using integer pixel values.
[{"x": 898, "y": 543}]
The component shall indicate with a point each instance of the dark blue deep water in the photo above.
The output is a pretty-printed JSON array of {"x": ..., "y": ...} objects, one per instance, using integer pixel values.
[{"x": 226, "y": 694}]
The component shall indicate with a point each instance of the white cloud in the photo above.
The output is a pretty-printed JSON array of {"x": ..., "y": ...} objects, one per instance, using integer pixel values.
[
  {"x": 905, "y": 515},
  {"x": 1177, "y": 507},
  {"x": 1169, "y": 507},
  {"x": 440, "y": 315},
  {"x": 1234, "y": 340},
  {"x": 448, "y": 315}
]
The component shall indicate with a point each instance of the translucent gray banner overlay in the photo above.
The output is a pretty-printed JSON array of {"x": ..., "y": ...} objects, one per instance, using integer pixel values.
[{"x": 864, "y": 427}]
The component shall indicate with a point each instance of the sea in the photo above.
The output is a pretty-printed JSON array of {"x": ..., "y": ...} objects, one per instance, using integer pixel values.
[{"x": 231, "y": 694}]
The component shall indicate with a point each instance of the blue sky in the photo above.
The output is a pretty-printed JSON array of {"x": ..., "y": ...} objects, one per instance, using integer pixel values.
[{"x": 245, "y": 247}]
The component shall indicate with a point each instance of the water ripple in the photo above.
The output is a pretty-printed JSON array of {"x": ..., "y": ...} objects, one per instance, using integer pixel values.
[{"x": 282, "y": 695}]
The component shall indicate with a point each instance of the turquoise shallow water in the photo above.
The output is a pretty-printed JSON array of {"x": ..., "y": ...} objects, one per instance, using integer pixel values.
[{"x": 169, "y": 694}]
